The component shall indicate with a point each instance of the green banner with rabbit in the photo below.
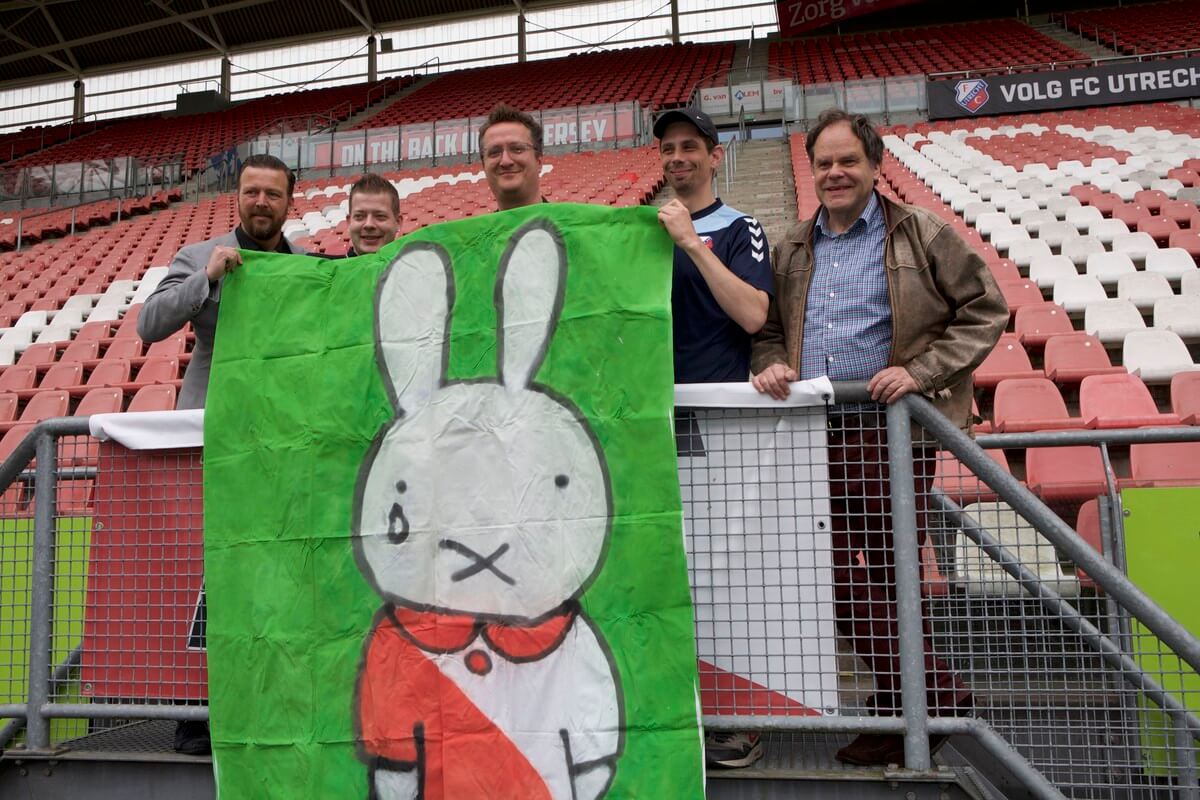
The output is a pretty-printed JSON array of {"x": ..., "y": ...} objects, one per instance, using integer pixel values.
[{"x": 444, "y": 551}]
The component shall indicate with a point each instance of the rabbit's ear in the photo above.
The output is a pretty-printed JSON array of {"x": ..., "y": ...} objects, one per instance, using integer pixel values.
[
  {"x": 529, "y": 298},
  {"x": 412, "y": 323}
]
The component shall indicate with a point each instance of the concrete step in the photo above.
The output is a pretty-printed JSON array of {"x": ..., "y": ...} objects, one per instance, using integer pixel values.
[{"x": 382, "y": 103}]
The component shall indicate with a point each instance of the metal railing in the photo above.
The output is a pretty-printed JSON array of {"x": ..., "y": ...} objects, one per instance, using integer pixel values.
[{"x": 1069, "y": 662}]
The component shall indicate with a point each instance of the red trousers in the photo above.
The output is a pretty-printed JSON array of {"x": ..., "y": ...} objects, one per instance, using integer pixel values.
[{"x": 864, "y": 566}]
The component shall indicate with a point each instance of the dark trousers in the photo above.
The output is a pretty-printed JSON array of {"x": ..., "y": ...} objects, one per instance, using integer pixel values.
[{"x": 864, "y": 566}]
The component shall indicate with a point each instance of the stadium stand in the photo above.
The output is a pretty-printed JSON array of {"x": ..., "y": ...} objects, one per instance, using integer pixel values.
[
  {"x": 158, "y": 139},
  {"x": 656, "y": 77},
  {"x": 37, "y": 224},
  {"x": 1156, "y": 27},
  {"x": 37, "y": 137},
  {"x": 914, "y": 51}
]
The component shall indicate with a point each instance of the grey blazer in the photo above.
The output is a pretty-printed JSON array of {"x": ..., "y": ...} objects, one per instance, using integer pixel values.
[{"x": 184, "y": 296}]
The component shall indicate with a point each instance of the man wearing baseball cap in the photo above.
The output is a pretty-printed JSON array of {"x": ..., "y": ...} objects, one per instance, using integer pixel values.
[{"x": 719, "y": 297}]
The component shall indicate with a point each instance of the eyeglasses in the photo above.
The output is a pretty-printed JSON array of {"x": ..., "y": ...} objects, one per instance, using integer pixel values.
[{"x": 515, "y": 149}]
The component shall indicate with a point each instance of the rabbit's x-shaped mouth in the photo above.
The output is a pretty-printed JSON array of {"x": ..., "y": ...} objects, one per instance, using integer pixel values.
[{"x": 480, "y": 562}]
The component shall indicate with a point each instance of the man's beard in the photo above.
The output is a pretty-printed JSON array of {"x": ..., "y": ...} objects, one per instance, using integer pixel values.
[{"x": 262, "y": 228}]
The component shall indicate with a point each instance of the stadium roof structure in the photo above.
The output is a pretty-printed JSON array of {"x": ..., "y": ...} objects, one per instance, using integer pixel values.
[{"x": 49, "y": 40}]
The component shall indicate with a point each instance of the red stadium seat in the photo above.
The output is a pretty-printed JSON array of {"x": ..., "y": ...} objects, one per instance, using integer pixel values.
[
  {"x": 1119, "y": 401},
  {"x": 1185, "y": 397},
  {"x": 46, "y": 404},
  {"x": 37, "y": 355},
  {"x": 1031, "y": 404},
  {"x": 1071, "y": 357},
  {"x": 154, "y": 397},
  {"x": 160, "y": 369},
  {"x": 13, "y": 437},
  {"x": 1164, "y": 464},
  {"x": 173, "y": 345},
  {"x": 8, "y": 407},
  {"x": 1019, "y": 294},
  {"x": 1088, "y": 528},
  {"x": 82, "y": 350},
  {"x": 75, "y": 498},
  {"x": 123, "y": 349},
  {"x": 1058, "y": 474},
  {"x": 110, "y": 372},
  {"x": 1007, "y": 359},
  {"x": 961, "y": 485},
  {"x": 17, "y": 377},
  {"x": 63, "y": 375},
  {"x": 1035, "y": 324}
]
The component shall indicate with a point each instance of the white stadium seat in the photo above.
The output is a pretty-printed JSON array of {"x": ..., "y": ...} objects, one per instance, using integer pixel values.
[
  {"x": 1074, "y": 293},
  {"x": 1079, "y": 248},
  {"x": 1156, "y": 355},
  {"x": 1143, "y": 289},
  {"x": 1137, "y": 245},
  {"x": 1056, "y": 234},
  {"x": 977, "y": 573},
  {"x": 1173, "y": 262},
  {"x": 1045, "y": 271},
  {"x": 1108, "y": 268},
  {"x": 1110, "y": 320},
  {"x": 1179, "y": 314}
]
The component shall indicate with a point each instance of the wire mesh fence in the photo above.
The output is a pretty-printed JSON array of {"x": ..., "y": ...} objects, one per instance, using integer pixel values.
[{"x": 789, "y": 524}]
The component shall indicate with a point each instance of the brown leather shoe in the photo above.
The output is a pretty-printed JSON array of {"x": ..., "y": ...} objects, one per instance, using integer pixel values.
[{"x": 869, "y": 749}]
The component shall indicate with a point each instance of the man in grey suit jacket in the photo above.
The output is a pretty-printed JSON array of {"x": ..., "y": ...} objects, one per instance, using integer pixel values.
[{"x": 191, "y": 289}]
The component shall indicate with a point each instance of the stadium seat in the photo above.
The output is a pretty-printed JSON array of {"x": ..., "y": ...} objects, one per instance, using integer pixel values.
[
  {"x": 1111, "y": 320},
  {"x": 1035, "y": 324},
  {"x": 74, "y": 451},
  {"x": 1143, "y": 289},
  {"x": 37, "y": 355},
  {"x": 13, "y": 436},
  {"x": 1020, "y": 293},
  {"x": 1172, "y": 262},
  {"x": 1109, "y": 267},
  {"x": 154, "y": 397},
  {"x": 1156, "y": 356},
  {"x": 160, "y": 369},
  {"x": 8, "y": 407},
  {"x": 1046, "y": 270},
  {"x": 1088, "y": 528},
  {"x": 124, "y": 349},
  {"x": 1075, "y": 293},
  {"x": 1136, "y": 245},
  {"x": 978, "y": 574},
  {"x": 1185, "y": 397},
  {"x": 1023, "y": 253},
  {"x": 1106, "y": 231},
  {"x": 960, "y": 484},
  {"x": 1119, "y": 401},
  {"x": 1189, "y": 284},
  {"x": 1065, "y": 474},
  {"x": 1031, "y": 404},
  {"x": 1163, "y": 464},
  {"x": 82, "y": 350},
  {"x": 1179, "y": 314},
  {"x": 1071, "y": 357},
  {"x": 62, "y": 375},
  {"x": 1007, "y": 359},
  {"x": 1055, "y": 234},
  {"x": 1079, "y": 248},
  {"x": 17, "y": 377},
  {"x": 173, "y": 345},
  {"x": 110, "y": 372}
]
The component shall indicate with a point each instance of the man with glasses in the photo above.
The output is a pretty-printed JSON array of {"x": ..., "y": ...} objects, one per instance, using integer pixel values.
[{"x": 510, "y": 142}]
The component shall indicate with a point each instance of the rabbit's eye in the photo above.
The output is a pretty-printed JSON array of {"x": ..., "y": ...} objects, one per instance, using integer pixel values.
[
  {"x": 401, "y": 487},
  {"x": 561, "y": 481}
]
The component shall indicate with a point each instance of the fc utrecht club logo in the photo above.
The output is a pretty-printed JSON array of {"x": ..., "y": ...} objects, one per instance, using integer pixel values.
[{"x": 971, "y": 95}]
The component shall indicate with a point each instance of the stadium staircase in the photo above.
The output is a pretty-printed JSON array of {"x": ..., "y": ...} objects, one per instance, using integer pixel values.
[
  {"x": 1089, "y": 47},
  {"x": 763, "y": 185},
  {"x": 352, "y": 122}
]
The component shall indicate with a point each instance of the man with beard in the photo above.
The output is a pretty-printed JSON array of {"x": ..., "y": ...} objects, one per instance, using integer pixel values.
[
  {"x": 191, "y": 289},
  {"x": 191, "y": 292}
]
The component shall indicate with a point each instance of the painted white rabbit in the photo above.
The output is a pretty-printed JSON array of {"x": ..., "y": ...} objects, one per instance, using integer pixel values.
[{"x": 483, "y": 511}]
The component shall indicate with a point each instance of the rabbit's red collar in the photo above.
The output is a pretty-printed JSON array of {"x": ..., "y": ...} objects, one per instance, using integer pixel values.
[{"x": 449, "y": 633}]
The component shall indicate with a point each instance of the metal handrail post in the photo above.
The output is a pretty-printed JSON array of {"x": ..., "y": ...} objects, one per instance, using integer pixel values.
[
  {"x": 1058, "y": 533},
  {"x": 41, "y": 599},
  {"x": 906, "y": 547}
]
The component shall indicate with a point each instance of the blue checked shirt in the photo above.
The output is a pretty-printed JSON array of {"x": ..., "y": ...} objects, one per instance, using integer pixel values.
[{"x": 848, "y": 318}]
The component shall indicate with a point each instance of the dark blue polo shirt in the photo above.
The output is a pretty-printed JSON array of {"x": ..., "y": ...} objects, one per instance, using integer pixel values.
[{"x": 709, "y": 346}]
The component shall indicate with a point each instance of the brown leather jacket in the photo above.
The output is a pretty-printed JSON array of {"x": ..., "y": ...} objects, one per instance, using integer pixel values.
[{"x": 947, "y": 311}]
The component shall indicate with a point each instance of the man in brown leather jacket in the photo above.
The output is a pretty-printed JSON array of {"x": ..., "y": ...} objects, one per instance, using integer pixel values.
[{"x": 877, "y": 291}]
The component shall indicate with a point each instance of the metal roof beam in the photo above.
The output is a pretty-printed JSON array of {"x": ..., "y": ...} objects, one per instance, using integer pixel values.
[
  {"x": 132, "y": 29},
  {"x": 58, "y": 35},
  {"x": 357, "y": 14},
  {"x": 201, "y": 35},
  {"x": 44, "y": 52}
]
